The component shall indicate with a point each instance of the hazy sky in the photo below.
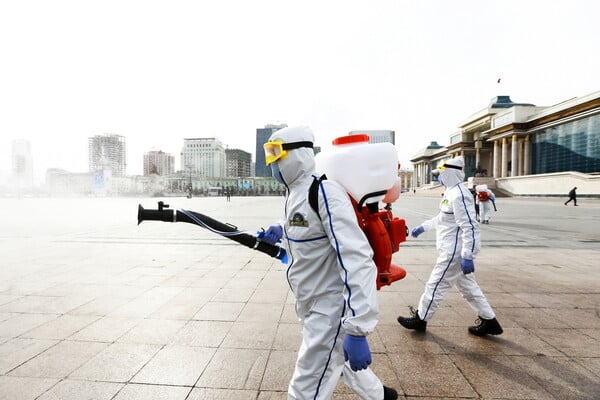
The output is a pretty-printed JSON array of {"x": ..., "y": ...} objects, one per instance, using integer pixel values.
[{"x": 160, "y": 71}]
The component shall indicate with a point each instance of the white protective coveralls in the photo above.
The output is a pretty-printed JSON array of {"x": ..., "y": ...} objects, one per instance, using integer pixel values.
[
  {"x": 331, "y": 273},
  {"x": 457, "y": 237},
  {"x": 485, "y": 207}
]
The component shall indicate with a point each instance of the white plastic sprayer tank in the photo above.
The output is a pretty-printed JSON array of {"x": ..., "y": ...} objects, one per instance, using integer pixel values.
[{"x": 362, "y": 168}]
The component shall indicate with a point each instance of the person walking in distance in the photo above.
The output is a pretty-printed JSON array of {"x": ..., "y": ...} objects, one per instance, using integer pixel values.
[
  {"x": 484, "y": 201},
  {"x": 331, "y": 273},
  {"x": 458, "y": 243},
  {"x": 572, "y": 196}
]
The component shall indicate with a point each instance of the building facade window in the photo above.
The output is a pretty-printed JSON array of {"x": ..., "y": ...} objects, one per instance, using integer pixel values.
[{"x": 572, "y": 146}]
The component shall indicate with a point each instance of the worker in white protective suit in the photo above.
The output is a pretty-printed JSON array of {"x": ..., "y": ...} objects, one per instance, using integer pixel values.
[
  {"x": 458, "y": 243},
  {"x": 485, "y": 199},
  {"x": 331, "y": 273}
]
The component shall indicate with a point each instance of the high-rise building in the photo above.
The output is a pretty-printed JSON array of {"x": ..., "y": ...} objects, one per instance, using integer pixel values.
[
  {"x": 22, "y": 163},
  {"x": 107, "y": 152},
  {"x": 203, "y": 156},
  {"x": 378, "y": 136},
  {"x": 238, "y": 163},
  {"x": 262, "y": 136},
  {"x": 158, "y": 163}
]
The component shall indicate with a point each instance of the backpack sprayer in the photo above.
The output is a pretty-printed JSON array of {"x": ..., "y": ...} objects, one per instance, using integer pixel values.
[{"x": 164, "y": 213}]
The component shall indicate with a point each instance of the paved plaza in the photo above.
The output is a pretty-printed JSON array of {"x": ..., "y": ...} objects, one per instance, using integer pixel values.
[{"x": 93, "y": 306}]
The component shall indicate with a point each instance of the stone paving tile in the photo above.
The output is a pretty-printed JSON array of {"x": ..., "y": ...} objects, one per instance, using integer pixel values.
[
  {"x": 425, "y": 374},
  {"x": 19, "y": 323},
  {"x": 134, "y": 391},
  {"x": 18, "y": 388},
  {"x": 222, "y": 394},
  {"x": 235, "y": 369},
  {"x": 61, "y": 327},
  {"x": 498, "y": 377},
  {"x": 17, "y": 351},
  {"x": 260, "y": 312},
  {"x": 570, "y": 342},
  {"x": 250, "y": 335},
  {"x": 153, "y": 331},
  {"x": 185, "y": 304},
  {"x": 107, "y": 329},
  {"x": 77, "y": 390},
  {"x": 219, "y": 311},
  {"x": 60, "y": 360},
  {"x": 117, "y": 363},
  {"x": 561, "y": 376},
  {"x": 175, "y": 365},
  {"x": 203, "y": 333}
]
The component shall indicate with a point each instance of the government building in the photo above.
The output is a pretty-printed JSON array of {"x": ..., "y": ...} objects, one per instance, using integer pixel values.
[{"x": 523, "y": 149}]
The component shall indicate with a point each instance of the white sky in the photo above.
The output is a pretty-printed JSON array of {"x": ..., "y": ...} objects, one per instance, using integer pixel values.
[{"x": 158, "y": 71}]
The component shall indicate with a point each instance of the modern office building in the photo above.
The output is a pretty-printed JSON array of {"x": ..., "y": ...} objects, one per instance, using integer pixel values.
[
  {"x": 262, "y": 136},
  {"x": 203, "y": 157},
  {"x": 107, "y": 153},
  {"x": 158, "y": 163},
  {"x": 510, "y": 140},
  {"x": 238, "y": 163},
  {"x": 22, "y": 164},
  {"x": 378, "y": 136}
]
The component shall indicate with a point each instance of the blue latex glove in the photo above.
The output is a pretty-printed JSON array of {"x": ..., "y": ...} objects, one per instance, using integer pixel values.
[
  {"x": 417, "y": 231},
  {"x": 356, "y": 350},
  {"x": 467, "y": 266},
  {"x": 272, "y": 235}
]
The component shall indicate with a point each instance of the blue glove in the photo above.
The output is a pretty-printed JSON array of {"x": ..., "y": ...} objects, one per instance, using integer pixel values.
[
  {"x": 272, "y": 235},
  {"x": 356, "y": 350},
  {"x": 467, "y": 266},
  {"x": 417, "y": 231}
]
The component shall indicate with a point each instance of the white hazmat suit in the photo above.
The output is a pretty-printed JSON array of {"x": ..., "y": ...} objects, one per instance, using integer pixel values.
[
  {"x": 331, "y": 273},
  {"x": 458, "y": 243},
  {"x": 485, "y": 206}
]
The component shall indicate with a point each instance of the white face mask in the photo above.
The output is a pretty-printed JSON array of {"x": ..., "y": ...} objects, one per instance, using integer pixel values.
[{"x": 277, "y": 173}]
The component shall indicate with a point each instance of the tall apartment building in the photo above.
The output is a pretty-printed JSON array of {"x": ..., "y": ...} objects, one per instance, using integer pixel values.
[
  {"x": 22, "y": 163},
  {"x": 262, "y": 135},
  {"x": 239, "y": 163},
  {"x": 107, "y": 152},
  {"x": 158, "y": 163},
  {"x": 203, "y": 156},
  {"x": 378, "y": 136}
]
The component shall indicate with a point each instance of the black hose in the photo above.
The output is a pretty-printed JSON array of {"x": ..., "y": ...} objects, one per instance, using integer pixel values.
[{"x": 163, "y": 213}]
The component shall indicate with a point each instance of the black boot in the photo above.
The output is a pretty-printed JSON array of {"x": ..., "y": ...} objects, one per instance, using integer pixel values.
[
  {"x": 413, "y": 322},
  {"x": 486, "y": 327},
  {"x": 389, "y": 393}
]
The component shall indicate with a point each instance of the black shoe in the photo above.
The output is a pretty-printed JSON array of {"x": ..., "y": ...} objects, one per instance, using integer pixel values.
[
  {"x": 389, "y": 393},
  {"x": 486, "y": 327},
  {"x": 413, "y": 322}
]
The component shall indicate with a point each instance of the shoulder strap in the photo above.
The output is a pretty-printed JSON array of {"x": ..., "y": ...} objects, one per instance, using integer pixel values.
[{"x": 313, "y": 193}]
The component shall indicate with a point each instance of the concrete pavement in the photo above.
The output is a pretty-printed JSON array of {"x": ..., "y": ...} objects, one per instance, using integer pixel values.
[{"x": 93, "y": 306}]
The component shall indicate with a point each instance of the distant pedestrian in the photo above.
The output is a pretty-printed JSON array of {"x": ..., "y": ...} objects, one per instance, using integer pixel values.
[
  {"x": 572, "y": 196},
  {"x": 484, "y": 200},
  {"x": 228, "y": 194}
]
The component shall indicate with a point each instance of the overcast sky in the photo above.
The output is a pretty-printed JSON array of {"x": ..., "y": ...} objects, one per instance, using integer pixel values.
[{"x": 160, "y": 71}]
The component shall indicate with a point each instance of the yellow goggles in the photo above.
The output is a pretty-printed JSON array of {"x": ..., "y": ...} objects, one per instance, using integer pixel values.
[
  {"x": 443, "y": 166},
  {"x": 275, "y": 151}
]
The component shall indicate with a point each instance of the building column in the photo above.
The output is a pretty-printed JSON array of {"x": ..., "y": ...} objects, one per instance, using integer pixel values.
[
  {"x": 526, "y": 156},
  {"x": 496, "y": 163},
  {"x": 504, "y": 161},
  {"x": 514, "y": 158},
  {"x": 520, "y": 171}
]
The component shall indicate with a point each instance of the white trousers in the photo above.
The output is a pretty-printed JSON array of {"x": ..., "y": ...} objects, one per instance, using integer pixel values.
[
  {"x": 446, "y": 274},
  {"x": 485, "y": 210},
  {"x": 320, "y": 361}
]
